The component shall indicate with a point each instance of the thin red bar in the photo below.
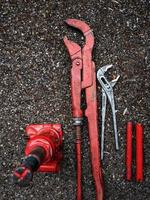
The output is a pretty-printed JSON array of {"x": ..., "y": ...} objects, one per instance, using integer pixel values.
[
  {"x": 129, "y": 150},
  {"x": 139, "y": 151},
  {"x": 79, "y": 170}
]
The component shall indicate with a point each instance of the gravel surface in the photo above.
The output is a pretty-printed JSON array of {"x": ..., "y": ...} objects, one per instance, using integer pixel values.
[{"x": 35, "y": 88}]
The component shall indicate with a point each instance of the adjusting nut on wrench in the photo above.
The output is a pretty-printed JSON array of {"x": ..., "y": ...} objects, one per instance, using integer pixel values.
[{"x": 107, "y": 92}]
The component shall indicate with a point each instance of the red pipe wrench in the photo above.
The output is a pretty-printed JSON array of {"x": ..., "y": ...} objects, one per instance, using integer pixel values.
[{"x": 83, "y": 78}]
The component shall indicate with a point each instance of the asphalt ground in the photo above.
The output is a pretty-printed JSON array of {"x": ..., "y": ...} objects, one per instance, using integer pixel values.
[{"x": 35, "y": 88}]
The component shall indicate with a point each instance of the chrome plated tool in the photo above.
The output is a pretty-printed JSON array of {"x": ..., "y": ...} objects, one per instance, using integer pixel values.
[{"x": 107, "y": 92}]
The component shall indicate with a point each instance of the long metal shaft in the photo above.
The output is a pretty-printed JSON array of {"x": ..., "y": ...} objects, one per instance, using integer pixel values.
[
  {"x": 79, "y": 160},
  {"x": 114, "y": 120}
]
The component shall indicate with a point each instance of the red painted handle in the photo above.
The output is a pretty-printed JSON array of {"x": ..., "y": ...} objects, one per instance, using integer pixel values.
[
  {"x": 91, "y": 114},
  {"x": 76, "y": 88},
  {"x": 129, "y": 150},
  {"x": 139, "y": 152},
  {"x": 79, "y": 170}
]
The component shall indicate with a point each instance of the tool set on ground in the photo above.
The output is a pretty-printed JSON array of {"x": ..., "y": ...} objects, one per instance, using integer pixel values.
[{"x": 43, "y": 151}]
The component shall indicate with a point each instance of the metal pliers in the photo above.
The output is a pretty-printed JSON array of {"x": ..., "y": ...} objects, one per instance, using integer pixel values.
[
  {"x": 107, "y": 92},
  {"x": 83, "y": 77}
]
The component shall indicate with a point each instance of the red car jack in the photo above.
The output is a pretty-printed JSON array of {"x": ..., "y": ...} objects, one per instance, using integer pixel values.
[{"x": 43, "y": 152}]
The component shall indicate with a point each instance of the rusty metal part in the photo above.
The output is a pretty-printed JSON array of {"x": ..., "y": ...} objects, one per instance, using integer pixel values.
[{"x": 83, "y": 77}]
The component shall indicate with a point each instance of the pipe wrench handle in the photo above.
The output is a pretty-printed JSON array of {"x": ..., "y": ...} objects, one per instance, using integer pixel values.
[
  {"x": 76, "y": 88},
  {"x": 91, "y": 114}
]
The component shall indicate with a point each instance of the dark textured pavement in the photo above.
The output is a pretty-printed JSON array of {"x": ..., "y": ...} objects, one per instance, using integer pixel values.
[{"x": 35, "y": 88}]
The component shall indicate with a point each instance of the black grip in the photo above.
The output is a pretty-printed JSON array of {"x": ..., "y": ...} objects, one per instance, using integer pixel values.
[
  {"x": 31, "y": 163},
  {"x": 23, "y": 175}
]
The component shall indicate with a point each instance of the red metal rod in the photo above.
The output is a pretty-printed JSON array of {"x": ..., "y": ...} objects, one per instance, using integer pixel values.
[
  {"x": 139, "y": 152},
  {"x": 129, "y": 150},
  {"x": 79, "y": 165}
]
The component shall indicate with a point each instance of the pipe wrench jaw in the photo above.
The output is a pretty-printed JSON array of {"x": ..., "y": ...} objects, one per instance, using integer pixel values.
[
  {"x": 86, "y": 52},
  {"x": 86, "y": 30},
  {"x": 82, "y": 26},
  {"x": 73, "y": 48},
  {"x": 78, "y": 24}
]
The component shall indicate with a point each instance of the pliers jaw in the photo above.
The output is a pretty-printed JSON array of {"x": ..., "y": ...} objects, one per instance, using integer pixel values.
[
  {"x": 114, "y": 81},
  {"x": 104, "y": 69},
  {"x": 106, "y": 85},
  {"x": 101, "y": 72}
]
